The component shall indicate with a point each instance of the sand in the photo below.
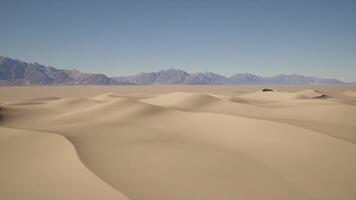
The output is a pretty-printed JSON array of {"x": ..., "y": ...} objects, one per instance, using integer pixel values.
[{"x": 178, "y": 143}]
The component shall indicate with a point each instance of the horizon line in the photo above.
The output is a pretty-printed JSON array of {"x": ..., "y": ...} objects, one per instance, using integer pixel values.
[{"x": 178, "y": 69}]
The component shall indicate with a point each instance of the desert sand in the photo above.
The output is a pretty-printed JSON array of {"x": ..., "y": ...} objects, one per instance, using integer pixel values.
[{"x": 178, "y": 143}]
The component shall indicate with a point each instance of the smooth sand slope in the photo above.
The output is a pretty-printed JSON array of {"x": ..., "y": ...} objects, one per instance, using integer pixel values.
[
  {"x": 176, "y": 143},
  {"x": 40, "y": 165}
]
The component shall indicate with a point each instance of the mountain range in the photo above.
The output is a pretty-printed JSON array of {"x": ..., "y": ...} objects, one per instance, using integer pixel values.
[{"x": 16, "y": 72}]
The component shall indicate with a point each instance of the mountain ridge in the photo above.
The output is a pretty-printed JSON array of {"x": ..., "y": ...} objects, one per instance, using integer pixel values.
[{"x": 17, "y": 72}]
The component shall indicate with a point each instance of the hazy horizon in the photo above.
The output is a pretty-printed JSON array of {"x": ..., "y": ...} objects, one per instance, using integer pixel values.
[
  {"x": 312, "y": 38},
  {"x": 189, "y": 72}
]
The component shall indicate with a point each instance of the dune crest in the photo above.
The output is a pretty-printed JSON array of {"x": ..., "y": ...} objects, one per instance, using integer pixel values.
[
  {"x": 280, "y": 96},
  {"x": 310, "y": 94},
  {"x": 183, "y": 100}
]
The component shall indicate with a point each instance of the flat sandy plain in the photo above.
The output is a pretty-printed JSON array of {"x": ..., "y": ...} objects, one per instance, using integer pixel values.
[{"x": 178, "y": 143}]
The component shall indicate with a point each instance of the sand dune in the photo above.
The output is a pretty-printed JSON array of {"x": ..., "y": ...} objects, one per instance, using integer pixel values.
[
  {"x": 183, "y": 100},
  {"x": 300, "y": 108},
  {"x": 278, "y": 96},
  {"x": 39, "y": 165},
  {"x": 207, "y": 144},
  {"x": 349, "y": 93}
]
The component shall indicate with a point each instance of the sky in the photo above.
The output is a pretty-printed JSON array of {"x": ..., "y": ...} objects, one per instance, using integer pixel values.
[{"x": 122, "y": 37}]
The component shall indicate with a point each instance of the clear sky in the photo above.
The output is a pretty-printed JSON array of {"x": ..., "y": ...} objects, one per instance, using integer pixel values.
[{"x": 120, "y": 37}]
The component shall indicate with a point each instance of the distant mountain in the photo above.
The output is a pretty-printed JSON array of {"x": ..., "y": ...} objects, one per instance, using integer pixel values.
[
  {"x": 174, "y": 76},
  {"x": 246, "y": 78},
  {"x": 206, "y": 78},
  {"x": 295, "y": 79},
  {"x": 16, "y": 72}
]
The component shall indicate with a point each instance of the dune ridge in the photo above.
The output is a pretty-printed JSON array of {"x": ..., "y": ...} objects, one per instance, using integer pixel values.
[
  {"x": 179, "y": 145},
  {"x": 36, "y": 165}
]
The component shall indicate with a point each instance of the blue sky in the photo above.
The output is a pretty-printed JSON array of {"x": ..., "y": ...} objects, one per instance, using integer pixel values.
[{"x": 120, "y": 37}]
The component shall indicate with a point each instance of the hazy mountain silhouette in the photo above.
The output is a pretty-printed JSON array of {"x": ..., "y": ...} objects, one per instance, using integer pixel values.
[{"x": 16, "y": 72}]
